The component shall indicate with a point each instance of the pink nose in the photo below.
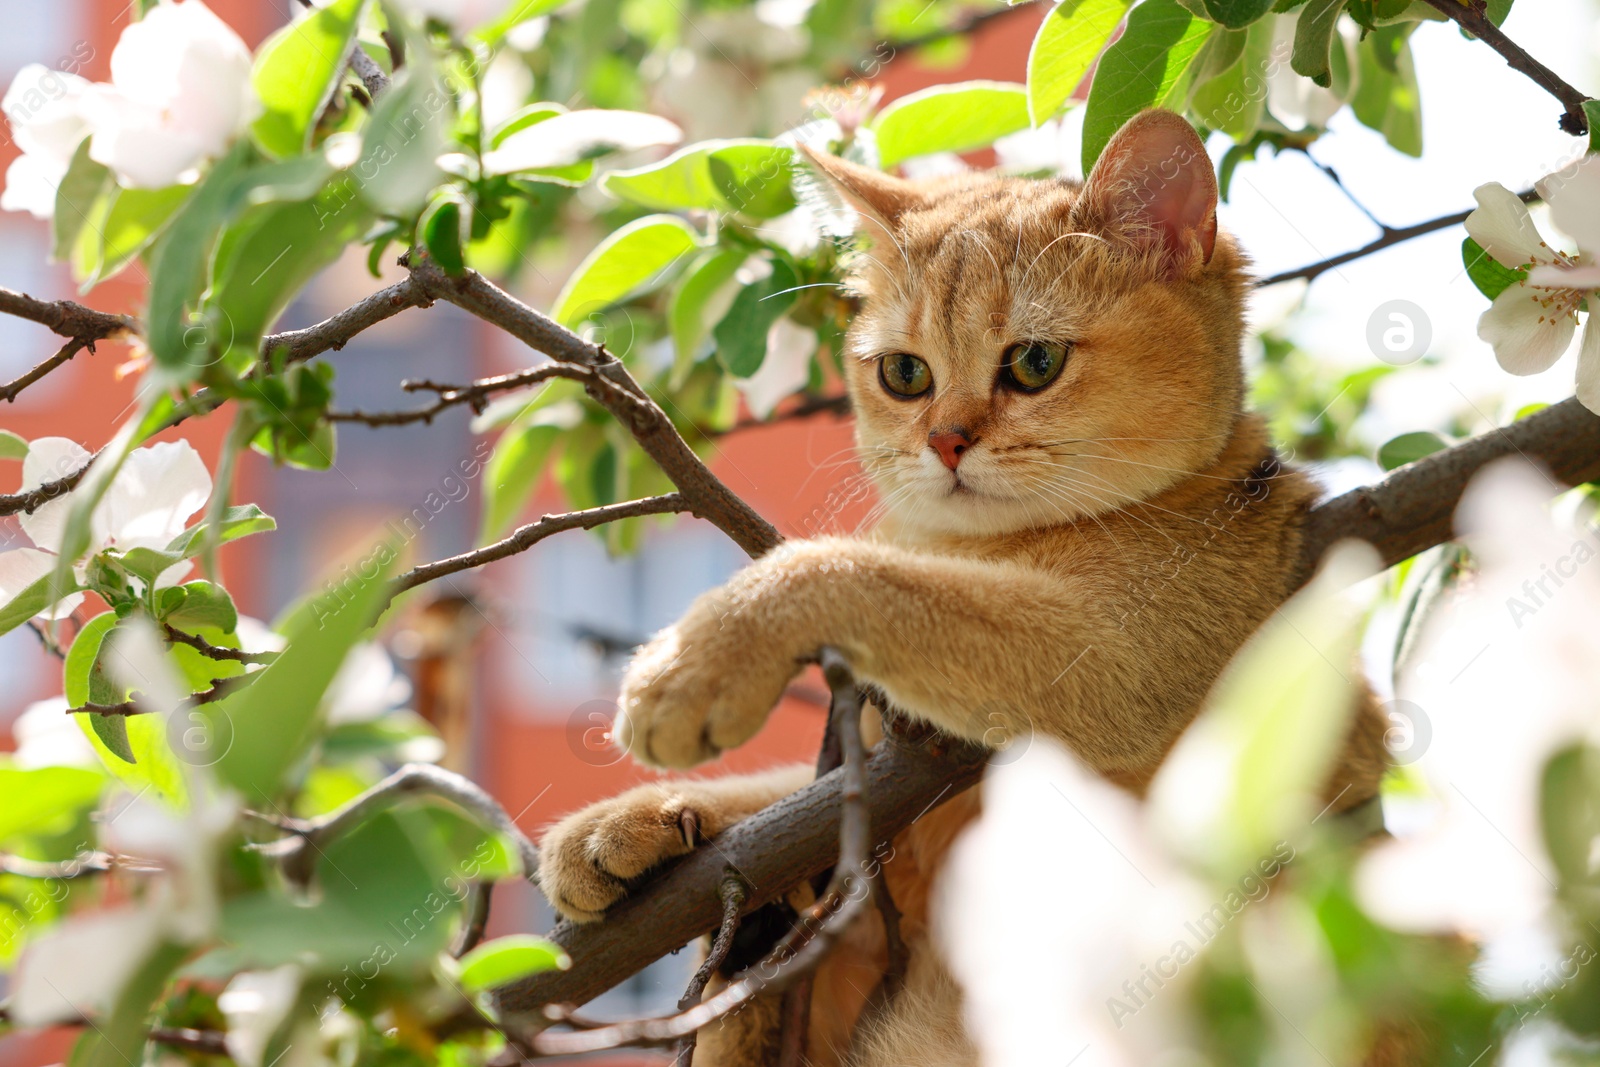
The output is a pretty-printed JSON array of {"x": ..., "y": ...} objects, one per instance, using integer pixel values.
[{"x": 949, "y": 444}]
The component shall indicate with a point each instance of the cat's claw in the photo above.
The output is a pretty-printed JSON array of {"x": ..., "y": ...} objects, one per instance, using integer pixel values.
[
  {"x": 587, "y": 859},
  {"x": 698, "y": 688}
]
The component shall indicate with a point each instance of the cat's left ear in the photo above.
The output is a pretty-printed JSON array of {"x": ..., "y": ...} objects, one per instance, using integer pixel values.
[
  {"x": 872, "y": 194},
  {"x": 1154, "y": 184}
]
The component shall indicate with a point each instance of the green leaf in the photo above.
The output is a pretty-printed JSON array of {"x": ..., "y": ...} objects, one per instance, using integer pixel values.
[
  {"x": 30, "y": 601},
  {"x": 686, "y": 312},
  {"x": 266, "y": 258},
  {"x": 1490, "y": 276},
  {"x": 441, "y": 230},
  {"x": 112, "y": 732},
  {"x": 748, "y": 176},
  {"x": 1069, "y": 40},
  {"x": 742, "y": 334},
  {"x": 402, "y": 142},
  {"x": 297, "y": 71},
  {"x": 1233, "y": 100},
  {"x": 130, "y": 221},
  {"x": 269, "y": 724},
  {"x": 387, "y": 899},
  {"x": 949, "y": 118},
  {"x": 508, "y": 959},
  {"x": 1386, "y": 97},
  {"x": 78, "y": 668},
  {"x": 1569, "y": 801},
  {"x": 1235, "y": 14},
  {"x": 45, "y": 800},
  {"x": 517, "y": 466},
  {"x": 531, "y": 115},
  {"x": 1408, "y": 448},
  {"x": 1313, "y": 39},
  {"x": 1139, "y": 70},
  {"x": 515, "y": 14},
  {"x": 1591, "y": 111},
  {"x": 204, "y": 604},
  {"x": 178, "y": 263},
  {"x": 634, "y": 259},
  {"x": 12, "y": 446},
  {"x": 85, "y": 183},
  {"x": 239, "y": 521}
]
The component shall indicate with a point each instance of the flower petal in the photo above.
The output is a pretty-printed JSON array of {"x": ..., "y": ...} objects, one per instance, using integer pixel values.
[
  {"x": 785, "y": 370},
  {"x": 20, "y": 568},
  {"x": 1589, "y": 366},
  {"x": 42, "y": 107},
  {"x": 154, "y": 494},
  {"x": 31, "y": 183},
  {"x": 54, "y": 986},
  {"x": 49, "y": 459},
  {"x": 1527, "y": 336},
  {"x": 1553, "y": 277},
  {"x": 46, "y": 736},
  {"x": 1573, "y": 194},
  {"x": 1504, "y": 228}
]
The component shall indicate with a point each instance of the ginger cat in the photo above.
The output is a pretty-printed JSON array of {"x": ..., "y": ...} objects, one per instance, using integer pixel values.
[{"x": 1081, "y": 527}]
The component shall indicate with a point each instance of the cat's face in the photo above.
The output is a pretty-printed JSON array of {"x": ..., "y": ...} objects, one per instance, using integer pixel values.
[{"x": 1031, "y": 353}]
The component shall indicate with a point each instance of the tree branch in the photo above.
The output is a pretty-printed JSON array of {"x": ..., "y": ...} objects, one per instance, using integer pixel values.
[
  {"x": 1472, "y": 16},
  {"x": 615, "y": 390},
  {"x": 475, "y": 394},
  {"x": 67, "y": 317},
  {"x": 221, "y": 688},
  {"x": 526, "y": 537},
  {"x": 296, "y": 346},
  {"x": 1390, "y": 236}
]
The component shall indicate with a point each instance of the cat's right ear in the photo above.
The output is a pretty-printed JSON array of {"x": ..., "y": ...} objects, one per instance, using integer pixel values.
[
  {"x": 1153, "y": 185},
  {"x": 875, "y": 196}
]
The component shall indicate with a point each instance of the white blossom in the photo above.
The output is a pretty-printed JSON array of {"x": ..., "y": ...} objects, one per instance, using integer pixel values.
[
  {"x": 1520, "y": 636},
  {"x": 148, "y": 503},
  {"x": 47, "y": 736},
  {"x": 1530, "y": 324},
  {"x": 179, "y": 95},
  {"x": 42, "y": 107}
]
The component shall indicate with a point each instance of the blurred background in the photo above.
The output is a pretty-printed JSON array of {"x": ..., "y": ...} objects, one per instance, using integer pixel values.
[{"x": 517, "y": 664}]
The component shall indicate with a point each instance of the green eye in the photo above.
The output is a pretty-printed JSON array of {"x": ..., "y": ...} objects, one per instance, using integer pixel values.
[
  {"x": 1033, "y": 365},
  {"x": 905, "y": 375}
]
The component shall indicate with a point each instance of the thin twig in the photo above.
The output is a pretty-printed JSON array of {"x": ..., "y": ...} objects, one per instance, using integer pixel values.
[
  {"x": 210, "y": 651},
  {"x": 732, "y": 892},
  {"x": 9, "y": 391},
  {"x": 83, "y": 864},
  {"x": 221, "y": 688},
  {"x": 1391, "y": 236},
  {"x": 526, "y": 537},
  {"x": 304, "y": 839},
  {"x": 1472, "y": 16},
  {"x": 475, "y": 394},
  {"x": 210, "y": 1042}
]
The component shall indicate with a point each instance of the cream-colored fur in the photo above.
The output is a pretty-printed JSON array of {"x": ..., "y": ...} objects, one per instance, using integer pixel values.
[{"x": 1100, "y": 551}]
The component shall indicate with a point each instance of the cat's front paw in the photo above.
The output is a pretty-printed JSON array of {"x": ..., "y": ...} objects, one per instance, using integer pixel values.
[
  {"x": 701, "y": 686},
  {"x": 587, "y": 859}
]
